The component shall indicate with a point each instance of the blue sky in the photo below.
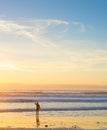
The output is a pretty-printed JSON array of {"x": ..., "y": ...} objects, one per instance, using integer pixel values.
[
  {"x": 90, "y": 12},
  {"x": 53, "y": 38}
]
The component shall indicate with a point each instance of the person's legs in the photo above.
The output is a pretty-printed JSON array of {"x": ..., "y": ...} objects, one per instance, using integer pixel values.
[{"x": 37, "y": 118}]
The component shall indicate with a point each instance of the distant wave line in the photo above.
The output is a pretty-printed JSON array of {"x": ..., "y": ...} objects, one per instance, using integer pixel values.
[
  {"x": 51, "y": 100},
  {"x": 54, "y": 95},
  {"x": 55, "y": 109}
]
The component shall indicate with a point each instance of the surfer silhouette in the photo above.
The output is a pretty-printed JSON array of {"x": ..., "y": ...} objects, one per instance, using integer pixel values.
[
  {"x": 37, "y": 113},
  {"x": 37, "y": 107}
]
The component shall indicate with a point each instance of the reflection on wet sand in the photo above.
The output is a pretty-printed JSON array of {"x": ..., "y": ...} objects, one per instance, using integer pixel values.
[{"x": 37, "y": 120}]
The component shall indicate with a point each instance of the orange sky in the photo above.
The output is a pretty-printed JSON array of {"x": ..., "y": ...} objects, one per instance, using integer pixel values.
[
  {"x": 77, "y": 79},
  {"x": 17, "y": 86}
]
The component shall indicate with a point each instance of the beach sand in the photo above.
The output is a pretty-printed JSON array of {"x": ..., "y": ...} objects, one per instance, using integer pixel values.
[{"x": 53, "y": 122}]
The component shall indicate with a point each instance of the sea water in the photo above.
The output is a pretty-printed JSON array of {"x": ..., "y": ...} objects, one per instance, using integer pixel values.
[{"x": 53, "y": 103}]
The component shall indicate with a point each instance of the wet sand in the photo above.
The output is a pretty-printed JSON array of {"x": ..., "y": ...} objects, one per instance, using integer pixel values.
[{"x": 55, "y": 123}]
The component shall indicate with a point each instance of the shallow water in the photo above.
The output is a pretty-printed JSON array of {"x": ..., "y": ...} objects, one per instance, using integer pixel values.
[{"x": 53, "y": 103}]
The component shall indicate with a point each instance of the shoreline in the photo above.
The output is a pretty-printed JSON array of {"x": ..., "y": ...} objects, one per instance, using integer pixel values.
[
  {"x": 42, "y": 129},
  {"x": 55, "y": 123}
]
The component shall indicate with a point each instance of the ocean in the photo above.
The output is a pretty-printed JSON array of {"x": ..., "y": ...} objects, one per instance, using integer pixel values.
[{"x": 53, "y": 103}]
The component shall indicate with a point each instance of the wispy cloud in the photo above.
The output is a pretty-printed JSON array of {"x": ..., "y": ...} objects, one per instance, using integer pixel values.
[
  {"x": 71, "y": 61},
  {"x": 7, "y": 66},
  {"x": 51, "y": 21},
  {"x": 82, "y": 26},
  {"x": 61, "y": 58},
  {"x": 35, "y": 29},
  {"x": 31, "y": 29}
]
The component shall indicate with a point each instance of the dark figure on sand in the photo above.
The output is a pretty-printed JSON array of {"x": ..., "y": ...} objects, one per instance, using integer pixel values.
[
  {"x": 37, "y": 107},
  {"x": 37, "y": 113}
]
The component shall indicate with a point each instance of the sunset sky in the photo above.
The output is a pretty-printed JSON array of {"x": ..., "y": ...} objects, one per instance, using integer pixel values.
[{"x": 53, "y": 42}]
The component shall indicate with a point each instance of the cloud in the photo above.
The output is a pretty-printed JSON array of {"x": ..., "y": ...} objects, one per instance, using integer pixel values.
[
  {"x": 7, "y": 66},
  {"x": 51, "y": 21},
  {"x": 82, "y": 27},
  {"x": 35, "y": 30},
  {"x": 68, "y": 61},
  {"x": 31, "y": 29},
  {"x": 75, "y": 56},
  {"x": 8, "y": 26},
  {"x": 89, "y": 60}
]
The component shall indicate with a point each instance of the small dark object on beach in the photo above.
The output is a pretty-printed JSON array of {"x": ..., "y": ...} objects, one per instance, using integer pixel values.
[
  {"x": 46, "y": 125},
  {"x": 98, "y": 122},
  {"x": 74, "y": 127}
]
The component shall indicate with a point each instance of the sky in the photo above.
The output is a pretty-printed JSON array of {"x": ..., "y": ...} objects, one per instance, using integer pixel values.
[{"x": 55, "y": 44}]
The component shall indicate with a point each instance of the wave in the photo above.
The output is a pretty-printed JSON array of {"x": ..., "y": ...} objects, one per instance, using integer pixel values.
[
  {"x": 55, "y": 109},
  {"x": 37, "y": 92},
  {"x": 51, "y": 100}
]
